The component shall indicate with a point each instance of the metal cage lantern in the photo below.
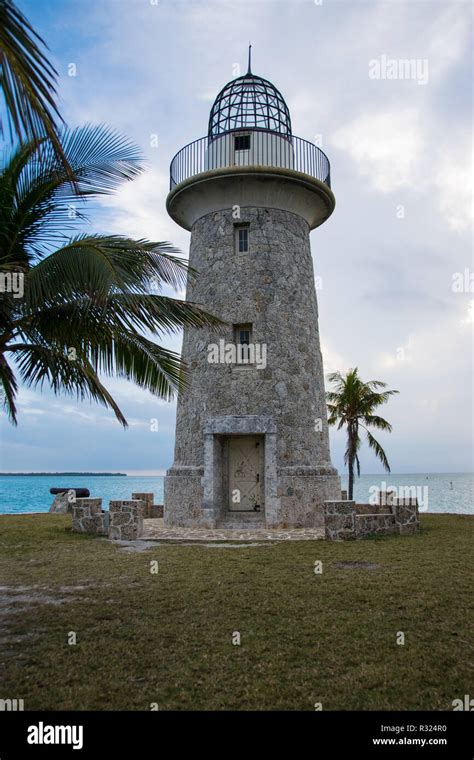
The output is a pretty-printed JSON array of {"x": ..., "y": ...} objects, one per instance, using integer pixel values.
[
  {"x": 249, "y": 102},
  {"x": 250, "y": 126}
]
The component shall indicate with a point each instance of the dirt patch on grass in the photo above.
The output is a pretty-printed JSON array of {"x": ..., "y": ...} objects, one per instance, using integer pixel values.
[
  {"x": 18, "y": 600},
  {"x": 142, "y": 546},
  {"x": 356, "y": 565}
]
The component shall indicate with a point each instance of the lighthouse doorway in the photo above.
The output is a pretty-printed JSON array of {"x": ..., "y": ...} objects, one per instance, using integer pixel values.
[{"x": 246, "y": 468}]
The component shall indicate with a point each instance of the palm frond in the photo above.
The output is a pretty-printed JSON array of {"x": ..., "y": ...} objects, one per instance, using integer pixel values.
[
  {"x": 130, "y": 356},
  {"x": 357, "y": 461},
  {"x": 377, "y": 422},
  {"x": 9, "y": 389},
  {"x": 375, "y": 445},
  {"x": 135, "y": 358},
  {"x": 101, "y": 158},
  {"x": 100, "y": 265},
  {"x": 27, "y": 83},
  {"x": 38, "y": 203},
  {"x": 40, "y": 364},
  {"x": 93, "y": 324}
]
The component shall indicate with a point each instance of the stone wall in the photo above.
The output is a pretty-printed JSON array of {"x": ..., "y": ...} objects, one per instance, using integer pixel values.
[
  {"x": 89, "y": 517},
  {"x": 126, "y": 519},
  {"x": 375, "y": 524},
  {"x": 345, "y": 520},
  {"x": 302, "y": 492},
  {"x": 150, "y": 510},
  {"x": 184, "y": 495},
  {"x": 339, "y": 520}
]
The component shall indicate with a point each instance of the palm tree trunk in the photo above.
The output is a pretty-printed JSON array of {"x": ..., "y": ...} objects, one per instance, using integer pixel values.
[
  {"x": 351, "y": 451},
  {"x": 351, "y": 479}
]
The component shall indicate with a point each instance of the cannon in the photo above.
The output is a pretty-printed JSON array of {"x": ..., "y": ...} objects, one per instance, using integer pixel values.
[
  {"x": 65, "y": 497},
  {"x": 81, "y": 493}
]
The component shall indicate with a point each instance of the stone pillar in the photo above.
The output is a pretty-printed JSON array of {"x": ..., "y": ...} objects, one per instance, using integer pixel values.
[
  {"x": 406, "y": 516},
  {"x": 126, "y": 520},
  {"x": 339, "y": 520},
  {"x": 88, "y": 517},
  {"x": 147, "y": 499}
]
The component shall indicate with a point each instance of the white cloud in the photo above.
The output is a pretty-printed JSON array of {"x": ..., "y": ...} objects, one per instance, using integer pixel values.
[
  {"x": 26, "y": 397},
  {"x": 469, "y": 318},
  {"x": 393, "y": 150},
  {"x": 138, "y": 210},
  {"x": 385, "y": 145},
  {"x": 332, "y": 360},
  {"x": 454, "y": 185},
  {"x": 124, "y": 391},
  {"x": 449, "y": 35},
  {"x": 405, "y": 353},
  {"x": 432, "y": 354}
]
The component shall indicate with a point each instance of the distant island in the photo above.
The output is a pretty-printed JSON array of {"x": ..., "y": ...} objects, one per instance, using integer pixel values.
[{"x": 55, "y": 474}]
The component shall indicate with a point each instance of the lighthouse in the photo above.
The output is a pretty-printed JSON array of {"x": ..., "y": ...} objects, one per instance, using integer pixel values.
[{"x": 252, "y": 443}]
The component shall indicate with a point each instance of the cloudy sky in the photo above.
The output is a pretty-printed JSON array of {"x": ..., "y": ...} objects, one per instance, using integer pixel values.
[{"x": 401, "y": 166}]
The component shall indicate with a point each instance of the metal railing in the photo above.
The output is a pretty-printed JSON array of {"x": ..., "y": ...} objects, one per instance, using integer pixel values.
[{"x": 266, "y": 149}]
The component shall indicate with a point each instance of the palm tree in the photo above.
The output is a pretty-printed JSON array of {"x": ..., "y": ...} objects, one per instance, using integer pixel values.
[
  {"x": 27, "y": 83},
  {"x": 352, "y": 403},
  {"x": 87, "y": 309}
]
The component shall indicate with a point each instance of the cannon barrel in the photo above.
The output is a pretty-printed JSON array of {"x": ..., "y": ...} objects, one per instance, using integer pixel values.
[{"x": 80, "y": 492}]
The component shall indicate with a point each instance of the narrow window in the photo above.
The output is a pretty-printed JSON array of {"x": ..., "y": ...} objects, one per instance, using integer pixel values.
[
  {"x": 243, "y": 340},
  {"x": 242, "y": 238},
  {"x": 243, "y": 333},
  {"x": 242, "y": 142}
]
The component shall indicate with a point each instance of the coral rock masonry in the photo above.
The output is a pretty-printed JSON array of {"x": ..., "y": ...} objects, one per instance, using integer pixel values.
[
  {"x": 346, "y": 520},
  {"x": 89, "y": 517},
  {"x": 126, "y": 520}
]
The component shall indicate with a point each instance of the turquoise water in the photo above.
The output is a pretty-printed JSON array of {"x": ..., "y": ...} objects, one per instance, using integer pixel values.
[
  {"x": 30, "y": 493},
  {"x": 435, "y": 492}
]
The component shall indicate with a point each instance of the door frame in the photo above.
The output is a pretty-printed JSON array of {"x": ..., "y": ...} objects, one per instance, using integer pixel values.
[{"x": 216, "y": 430}]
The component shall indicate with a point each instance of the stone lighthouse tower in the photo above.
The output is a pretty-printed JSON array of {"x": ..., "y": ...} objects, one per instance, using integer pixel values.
[{"x": 252, "y": 442}]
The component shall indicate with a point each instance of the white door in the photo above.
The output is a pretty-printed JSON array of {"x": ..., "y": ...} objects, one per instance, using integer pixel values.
[{"x": 246, "y": 473}]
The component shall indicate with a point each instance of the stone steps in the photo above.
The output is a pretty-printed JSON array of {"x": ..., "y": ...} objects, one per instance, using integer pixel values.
[{"x": 242, "y": 521}]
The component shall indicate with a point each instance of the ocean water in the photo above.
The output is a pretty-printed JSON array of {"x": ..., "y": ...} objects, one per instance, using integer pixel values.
[
  {"x": 30, "y": 493},
  {"x": 435, "y": 492}
]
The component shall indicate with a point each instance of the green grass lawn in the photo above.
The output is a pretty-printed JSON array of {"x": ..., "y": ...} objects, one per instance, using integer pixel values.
[{"x": 166, "y": 638}]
